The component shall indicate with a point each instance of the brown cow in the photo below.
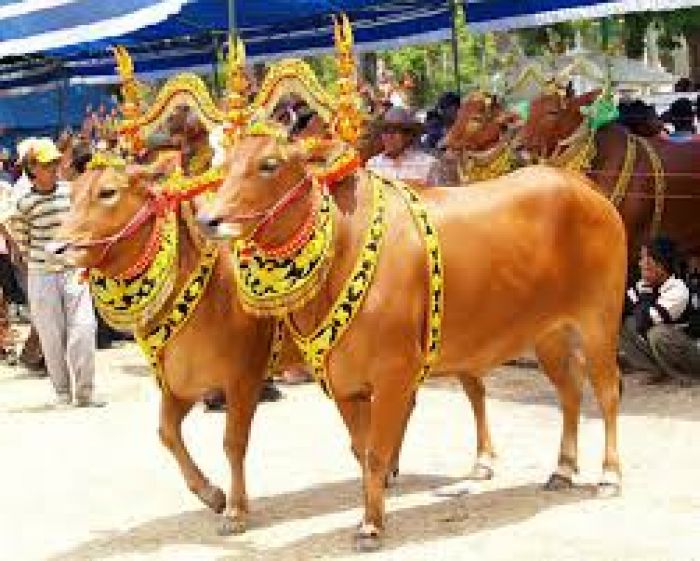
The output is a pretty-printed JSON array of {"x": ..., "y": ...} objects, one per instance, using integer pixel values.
[
  {"x": 481, "y": 138},
  {"x": 536, "y": 257},
  {"x": 556, "y": 120},
  {"x": 220, "y": 347}
]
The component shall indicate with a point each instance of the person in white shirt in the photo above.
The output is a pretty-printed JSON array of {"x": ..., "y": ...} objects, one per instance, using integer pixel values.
[
  {"x": 654, "y": 337},
  {"x": 59, "y": 304},
  {"x": 399, "y": 159}
]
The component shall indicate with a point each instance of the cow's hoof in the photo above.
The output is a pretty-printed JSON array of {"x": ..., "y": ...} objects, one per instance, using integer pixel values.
[
  {"x": 558, "y": 482},
  {"x": 214, "y": 498},
  {"x": 481, "y": 472},
  {"x": 367, "y": 539},
  {"x": 232, "y": 526},
  {"x": 607, "y": 490}
]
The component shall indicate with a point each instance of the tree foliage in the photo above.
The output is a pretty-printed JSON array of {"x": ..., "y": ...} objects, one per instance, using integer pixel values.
[{"x": 432, "y": 67}]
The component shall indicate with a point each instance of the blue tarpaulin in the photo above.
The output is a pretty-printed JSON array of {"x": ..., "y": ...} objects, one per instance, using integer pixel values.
[
  {"x": 28, "y": 26},
  {"x": 270, "y": 28},
  {"x": 48, "y": 110}
]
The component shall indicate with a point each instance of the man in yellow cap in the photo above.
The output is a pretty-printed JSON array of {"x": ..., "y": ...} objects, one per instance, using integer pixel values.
[{"x": 60, "y": 306}]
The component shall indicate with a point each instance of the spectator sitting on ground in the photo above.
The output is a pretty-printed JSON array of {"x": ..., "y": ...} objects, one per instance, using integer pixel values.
[
  {"x": 655, "y": 335},
  {"x": 682, "y": 116},
  {"x": 399, "y": 160}
]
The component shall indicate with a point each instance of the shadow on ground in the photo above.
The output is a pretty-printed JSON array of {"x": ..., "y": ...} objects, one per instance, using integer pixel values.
[
  {"x": 529, "y": 385},
  {"x": 452, "y": 516}
]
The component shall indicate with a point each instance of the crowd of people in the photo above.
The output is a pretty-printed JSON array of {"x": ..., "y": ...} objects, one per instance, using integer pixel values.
[{"x": 679, "y": 123}]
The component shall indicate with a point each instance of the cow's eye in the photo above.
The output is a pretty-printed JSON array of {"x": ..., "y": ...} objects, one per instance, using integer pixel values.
[
  {"x": 269, "y": 165},
  {"x": 108, "y": 194}
]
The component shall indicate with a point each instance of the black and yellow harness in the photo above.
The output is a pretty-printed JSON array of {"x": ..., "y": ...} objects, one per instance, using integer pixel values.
[{"x": 278, "y": 287}]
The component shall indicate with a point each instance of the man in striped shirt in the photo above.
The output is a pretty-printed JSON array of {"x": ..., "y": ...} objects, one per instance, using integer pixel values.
[
  {"x": 654, "y": 337},
  {"x": 60, "y": 306}
]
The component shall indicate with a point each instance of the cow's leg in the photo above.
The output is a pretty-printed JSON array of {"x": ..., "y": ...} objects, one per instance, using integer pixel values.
[
  {"x": 389, "y": 409},
  {"x": 355, "y": 412},
  {"x": 483, "y": 466},
  {"x": 394, "y": 470},
  {"x": 244, "y": 395},
  {"x": 605, "y": 378},
  {"x": 554, "y": 352},
  {"x": 172, "y": 412}
]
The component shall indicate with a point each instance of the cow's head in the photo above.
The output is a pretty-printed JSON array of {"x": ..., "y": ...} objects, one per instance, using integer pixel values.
[
  {"x": 264, "y": 170},
  {"x": 554, "y": 117},
  {"x": 482, "y": 122}
]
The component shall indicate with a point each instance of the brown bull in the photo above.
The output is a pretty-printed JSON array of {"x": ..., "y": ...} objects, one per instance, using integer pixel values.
[
  {"x": 536, "y": 257},
  {"x": 219, "y": 347},
  {"x": 658, "y": 190},
  {"x": 481, "y": 138}
]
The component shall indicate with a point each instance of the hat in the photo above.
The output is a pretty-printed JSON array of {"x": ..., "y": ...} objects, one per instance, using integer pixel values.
[
  {"x": 664, "y": 252},
  {"x": 680, "y": 110},
  {"x": 24, "y": 146},
  {"x": 43, "y": 151},
  {"x": 398, "y": 118}
]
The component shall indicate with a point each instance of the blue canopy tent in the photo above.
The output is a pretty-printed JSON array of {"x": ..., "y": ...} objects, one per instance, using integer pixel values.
[
  {"x": 188, "y": 39},
  {"x": 185, "y": 35},
  {"x": 29, "y": 26}
]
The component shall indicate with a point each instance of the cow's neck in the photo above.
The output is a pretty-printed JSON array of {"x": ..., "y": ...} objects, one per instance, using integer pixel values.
[
  {"x": 353, "y": 200},
  {"x": 611, "y": 144},
  {"x": 289, "y": 225},
  {"x": 127, "y": 252}
]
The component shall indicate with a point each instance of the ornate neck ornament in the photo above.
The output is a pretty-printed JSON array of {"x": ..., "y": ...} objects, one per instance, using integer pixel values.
[
  {"x": 154, "y": 338},
  {"x": 153, "y": 245},
  {"x": 128, "y": 303},
  {"x": 276, "y": 285},
  {"x": 487, "y": 164},
  {"x": 316, "y": 346},
  {"x": 577, "y": 152},
  {"x": 291, "y": 247}
]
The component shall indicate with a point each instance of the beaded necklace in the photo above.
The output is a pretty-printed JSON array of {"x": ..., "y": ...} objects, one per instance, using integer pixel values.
[
  {"x": 128, "y": 302},
  {"x": 276, "y": 286}
]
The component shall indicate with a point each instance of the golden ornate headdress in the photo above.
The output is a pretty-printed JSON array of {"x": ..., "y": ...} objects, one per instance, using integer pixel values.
[
  {"x": 102, "y": 160},
  {"x": 294, "y": 77},
  {"x": 348, "y": 123},
  {"x": 184, "y": 89},
  {"x": 237, "y": 110}
]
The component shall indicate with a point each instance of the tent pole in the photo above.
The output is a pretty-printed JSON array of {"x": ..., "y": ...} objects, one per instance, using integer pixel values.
[
  {"x": 215, "y": 65},
  {"x": 605, "y": 33},
  {"x": 232, "y": 18},
  {"x": 455, "y": 46},
  {"x": 62, "y": 95}
]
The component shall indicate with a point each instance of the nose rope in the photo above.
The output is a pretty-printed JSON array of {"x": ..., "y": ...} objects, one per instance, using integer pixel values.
[
  {"x": 275, "y": 210},
  {"x": 158, "y": 204}
]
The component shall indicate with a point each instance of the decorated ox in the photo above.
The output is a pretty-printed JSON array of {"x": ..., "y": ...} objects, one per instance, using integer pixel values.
[
  {"x": 652, "y": 181},
  {"x": 482, "y": 274},
  {"x": 152, "y": 271},
  {"x": 481, "y": 138}
]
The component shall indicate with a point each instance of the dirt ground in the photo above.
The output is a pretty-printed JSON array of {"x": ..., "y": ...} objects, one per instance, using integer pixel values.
[{"x": 83, "y": 485}]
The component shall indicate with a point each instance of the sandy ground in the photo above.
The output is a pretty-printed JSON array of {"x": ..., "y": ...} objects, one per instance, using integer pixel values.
[{"x": 96, "y": 484}]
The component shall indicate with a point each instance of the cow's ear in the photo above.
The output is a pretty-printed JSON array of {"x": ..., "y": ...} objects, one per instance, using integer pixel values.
[
  {"x": 584, "y": 100},
  {"x": 507, "y": 118}
]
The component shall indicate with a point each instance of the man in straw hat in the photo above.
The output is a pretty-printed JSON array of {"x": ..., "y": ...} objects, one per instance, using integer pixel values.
[
  {"x": 60, "y": 306},
  {"x": 399, "y": 159}
]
